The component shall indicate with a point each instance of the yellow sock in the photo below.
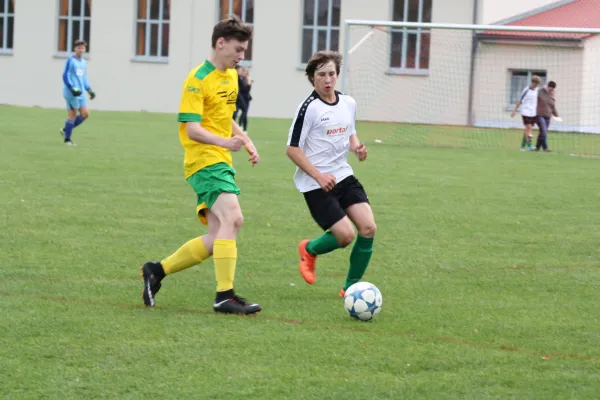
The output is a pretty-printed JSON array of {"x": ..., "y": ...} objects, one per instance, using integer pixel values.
[
  {"x": 225, "y": 257},
  {"x": 188, "y": 255}
]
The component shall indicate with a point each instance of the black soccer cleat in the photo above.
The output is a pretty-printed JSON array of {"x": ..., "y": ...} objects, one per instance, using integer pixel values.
[
  {"x": 236, "y": 305},
  {"x": 152, "y": 273}
]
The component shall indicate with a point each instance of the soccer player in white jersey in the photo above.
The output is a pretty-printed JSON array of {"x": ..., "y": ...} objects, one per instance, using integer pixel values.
[
  {"x": 528, "y": 104},
  {"x": 321, "y": 135}
]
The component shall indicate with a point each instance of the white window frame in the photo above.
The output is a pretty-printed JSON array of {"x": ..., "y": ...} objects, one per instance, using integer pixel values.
[
  {"x": 406, "y": 31},
  {"x": 319, "y": 28},
  {"x": 70, "y": 19},
  {"x": 245, "y": 62},
  {"x": 149, "y": 22},
  {"x": 543, "y": 74},
  {"x": 4, "y": 49}
]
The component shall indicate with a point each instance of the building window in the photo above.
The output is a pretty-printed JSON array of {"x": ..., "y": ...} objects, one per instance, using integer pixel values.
[
  {"x": 7, "y": 25},
  {"x": 320, "y": 27},
  {"x": 152, "y": 29},
  {"x": 74, "y": 23},
  {"x": 410, "y": 47},
  {"x": 519, "y": 80},
  {"x": 244, "y": 10}
]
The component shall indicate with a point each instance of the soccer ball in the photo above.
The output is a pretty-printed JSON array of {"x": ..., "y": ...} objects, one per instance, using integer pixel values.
[{"x": 363, "y": 301}]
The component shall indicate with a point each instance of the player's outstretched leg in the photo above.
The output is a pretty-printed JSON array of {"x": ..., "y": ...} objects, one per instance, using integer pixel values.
[
  {"x": 308, "y": 251},
  {"x": 152, "y": 273},
  {"x": 66, "y": 132},
  {"x": 191, "y": 253},
  {"x": 72, "y": 106},
  {"x": 307, "y": 262},
  {"x": 524, "y": 141},
  {"x": 529, "y": 134},
  {"x": 361, "y": 215},
  {"x": 340, "y": 235},
  {"x": 84, "y": 114},
  {"x": 227, "y": 210}
]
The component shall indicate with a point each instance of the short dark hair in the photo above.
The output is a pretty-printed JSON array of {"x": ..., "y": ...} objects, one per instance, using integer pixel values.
[
  {"x": 552, "y": 84},
  {"x": 231, "y": 28},
  {"x": 79, "y": 42},
  {"x": 321, "y": 58}
]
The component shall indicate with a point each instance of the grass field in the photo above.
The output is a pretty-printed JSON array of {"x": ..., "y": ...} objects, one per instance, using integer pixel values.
[{"x": 488, "y": 262}]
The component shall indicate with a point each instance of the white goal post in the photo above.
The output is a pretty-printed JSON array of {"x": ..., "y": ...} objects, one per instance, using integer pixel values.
[{"x": 469, "y": 75}]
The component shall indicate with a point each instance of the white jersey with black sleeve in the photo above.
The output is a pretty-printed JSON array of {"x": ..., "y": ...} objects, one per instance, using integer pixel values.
[
  {"x": 529, "y": 99},
  {"x": 322, "y": 131}
]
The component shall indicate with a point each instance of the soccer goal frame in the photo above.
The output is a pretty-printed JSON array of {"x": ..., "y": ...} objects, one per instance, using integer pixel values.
[
  {"x": 348, "y": 49},
  {"x": 350, "y": 45}
]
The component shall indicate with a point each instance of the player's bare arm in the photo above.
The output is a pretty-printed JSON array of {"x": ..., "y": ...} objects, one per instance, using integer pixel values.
[
  {"x": 358, "y": 148},
  {"x": 249, "y": 145},
  {"x": 514, "y": 111},
  {"x": 196, "y": 132},
  {"x": 326, "y": 181}
]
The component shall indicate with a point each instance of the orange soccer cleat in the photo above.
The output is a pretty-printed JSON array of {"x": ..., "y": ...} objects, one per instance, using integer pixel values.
[{"x": 307, "y": 263}]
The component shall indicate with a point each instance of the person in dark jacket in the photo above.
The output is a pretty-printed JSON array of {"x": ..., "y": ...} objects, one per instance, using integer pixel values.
[
  {"x": 546, "y": 108},
  {"x": 244, "y": 97}
]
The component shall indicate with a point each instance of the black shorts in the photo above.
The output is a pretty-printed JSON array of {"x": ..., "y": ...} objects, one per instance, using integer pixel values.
[
  {"x": 327, "y": 208},
  {"x": 529, "y": 120}
]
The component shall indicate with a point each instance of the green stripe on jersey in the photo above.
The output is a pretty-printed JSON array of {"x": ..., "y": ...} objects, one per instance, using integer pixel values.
[
  {"x": 205, "y": 69},
  {"x": 189, "y": 117}
]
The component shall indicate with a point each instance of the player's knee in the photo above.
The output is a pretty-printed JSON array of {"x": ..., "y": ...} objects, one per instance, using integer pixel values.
[
  {"x": 345, "y": 238},
  {"x": 234, "y": 221},
  {"x": 238, "y": 221},
  {"x": 85, "y": 114},
  {"x": 368, "y": 230}
]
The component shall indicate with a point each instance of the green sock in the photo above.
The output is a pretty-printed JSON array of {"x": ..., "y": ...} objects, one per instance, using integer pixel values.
[
  {"x": 524, "y": 141},
  {"x": 359, "y": 260},
  {"x": 323, "y": 244}
]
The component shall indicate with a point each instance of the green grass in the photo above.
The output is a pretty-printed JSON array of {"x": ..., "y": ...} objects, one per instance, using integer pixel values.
[
  {"x": 460, "y": 137},
  {"x": 488, "y": 261}
]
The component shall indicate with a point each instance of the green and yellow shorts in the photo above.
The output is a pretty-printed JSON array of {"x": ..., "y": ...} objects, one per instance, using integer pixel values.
[{"x": 209, "y": 183}]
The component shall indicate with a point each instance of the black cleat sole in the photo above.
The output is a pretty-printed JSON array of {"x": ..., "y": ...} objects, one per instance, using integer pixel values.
[{"x": 151, "y": 286}]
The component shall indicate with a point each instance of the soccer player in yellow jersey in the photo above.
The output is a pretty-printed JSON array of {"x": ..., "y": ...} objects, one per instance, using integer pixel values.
[{"x": 208, "y": 134}]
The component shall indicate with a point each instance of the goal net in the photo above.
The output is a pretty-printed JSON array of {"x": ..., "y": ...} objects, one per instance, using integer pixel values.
[{"x": 445, "y": 85}]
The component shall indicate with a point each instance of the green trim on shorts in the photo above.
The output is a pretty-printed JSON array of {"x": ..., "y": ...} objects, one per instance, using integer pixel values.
[{"x": 211, "y": 181}]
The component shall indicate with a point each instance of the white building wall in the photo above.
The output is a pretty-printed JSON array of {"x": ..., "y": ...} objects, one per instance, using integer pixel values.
[
  {"x": 280, "y": 84},
  {"x": 120, "y": 83},
  {"x": 439, "y": 96},
  {"x": 494, "y": 62},
  {"x": 590, "y": 102},
  {"x": 124, "y": 84}
]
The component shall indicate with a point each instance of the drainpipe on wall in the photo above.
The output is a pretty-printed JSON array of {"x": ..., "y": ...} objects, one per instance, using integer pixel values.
[{"x": 474, "y": 42}]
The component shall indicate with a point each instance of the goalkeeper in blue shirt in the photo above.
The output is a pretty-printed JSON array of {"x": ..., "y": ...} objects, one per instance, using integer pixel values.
[{"x": 75, "y": 82}]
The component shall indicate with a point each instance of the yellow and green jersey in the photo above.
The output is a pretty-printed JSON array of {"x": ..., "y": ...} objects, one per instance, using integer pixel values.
[{"x": 209, "y": 97}]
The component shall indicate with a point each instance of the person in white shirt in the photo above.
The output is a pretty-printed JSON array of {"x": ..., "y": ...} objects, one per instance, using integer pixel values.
[
  {"x": 322, "y": 134},
  {"x": 528, "y": 104}
]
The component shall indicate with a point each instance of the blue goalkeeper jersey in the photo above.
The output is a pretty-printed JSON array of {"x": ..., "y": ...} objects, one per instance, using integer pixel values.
[{"x": 75, "y": 75}]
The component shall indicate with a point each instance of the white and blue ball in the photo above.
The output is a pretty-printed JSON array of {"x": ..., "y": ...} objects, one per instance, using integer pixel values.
[{"x": 363, "y": 301}]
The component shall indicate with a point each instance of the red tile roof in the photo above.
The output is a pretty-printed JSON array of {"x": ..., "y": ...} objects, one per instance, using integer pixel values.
[{"x": 577, "y": 14}]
